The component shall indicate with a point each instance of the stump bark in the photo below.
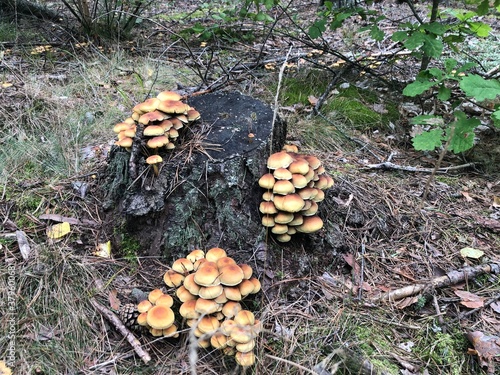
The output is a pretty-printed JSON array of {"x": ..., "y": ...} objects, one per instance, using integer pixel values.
[{"x": 206, "y": 193}]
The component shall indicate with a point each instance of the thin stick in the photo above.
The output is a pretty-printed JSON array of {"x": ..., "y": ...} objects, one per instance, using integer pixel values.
[
  {"x": 451, "y": 278},
  {"x": 292, "y": 363},
  {"x": 388, "y": 165},
  {"x": 276, "y": 98},
  {"x": 113, "y": 319}
]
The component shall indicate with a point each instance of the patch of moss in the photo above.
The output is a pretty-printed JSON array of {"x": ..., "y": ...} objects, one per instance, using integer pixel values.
[{"x": 296, "y": 88}]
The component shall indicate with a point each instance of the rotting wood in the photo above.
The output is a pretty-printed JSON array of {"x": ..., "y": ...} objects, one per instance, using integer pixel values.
[
  {"x": 451, "y": 278},
  {"x": 391, "y": 166},
  {"x": 129, "y": 336}
]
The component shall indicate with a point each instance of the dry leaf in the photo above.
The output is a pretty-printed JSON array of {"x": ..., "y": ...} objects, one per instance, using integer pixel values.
[
  {"x": 58, "y": 230},
  {"x": 6, "y": 84},
  {"x": 103, "y": 250},
  {"x": 312, "y": 100},
  {"x": 405, "y": 302},
  {"x": 470, "y": 252},
  {"x": 487, "y": 348},
  {"x": 469, "y": 299},
  {"x": 114, "y": 302},
  {"x": 496, "y": 201},
  {"x": 496, "y": 307}
]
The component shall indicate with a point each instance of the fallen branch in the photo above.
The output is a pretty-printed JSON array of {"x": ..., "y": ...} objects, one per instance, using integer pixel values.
[
  {"x": 136, "y": 345},
  {"x": 451, "y": 278},
  {"x": 391, "y": 166}
]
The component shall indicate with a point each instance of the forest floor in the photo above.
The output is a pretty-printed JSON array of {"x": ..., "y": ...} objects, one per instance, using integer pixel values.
[{"x": 405, "y": 217}]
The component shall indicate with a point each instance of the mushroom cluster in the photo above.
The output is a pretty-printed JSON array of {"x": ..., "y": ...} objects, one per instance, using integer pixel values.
[
  {"x": 210, "y": 287},
  {"x": 160, "y": 120},
  {"x": 156, "y": 314},
  {"x": 294, "y": 186}
]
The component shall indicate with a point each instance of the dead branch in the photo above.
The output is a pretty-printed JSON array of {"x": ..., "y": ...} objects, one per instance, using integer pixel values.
[
  {"x": 391, "y": 166},
  {"x": 451, "y": 278},
  {"x": 113, "y": 319}
]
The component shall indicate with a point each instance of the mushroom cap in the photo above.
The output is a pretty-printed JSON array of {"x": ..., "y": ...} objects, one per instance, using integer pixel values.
[
  {"x": 169, "y": 95},
  {"x": 231, "y": 275},
  {"x": 307, "y": 193},
  {"x": 224, "y": 261},
  {"x": 290, "y": 148},
  {"x": 154, "y": 159},
  {"x": 173, "y": 279},
  {"x": 154, "y": 295},
  {"x": 280, "y": 159},
  {"x": 268, "y": 196},
  {"x": 142, "y": 319},
  {"x": 188, "y": 310},
  {"x": 156, "y": 332},
  {"x": 165, "y": 300},
  {"x": 231, "y": 308},
  {"x": 128, "y": 133},
  {"x": 218, "y": 340},
  {"x": 148, "y": 117},
  {"x": 121, "y": 126},
  {"x": 211, "y": 292},
  {"x": 144, "y": 306},
  {"x": 222, "y": 299},
  {"x": 245, "y": 348},
  {"x": 191, "y": 285},
  {"x": 227, "y": 326},
  {"x": 299, "y": 166},
  {"x": 233, "y": 293},
  {"x": 297, "y": 220},
  {"x": 256, "y": 285},
  {"x": 289, "y": 203},
  {"x": 153, "y": 131},
  {"x": 244, "y": 318},
  {"x": 207, "y": 274},
  {"x": 246, "y": 287},
  {"x": 182, "y": 265},
  {"x": 172, "y": 106},
  {"x": 283, "y": 217},
  {"x": 176, "y": 123},
  {"x": 193, "y": 115},
  {"x": 205, "y": 343},
  {"x": 247, "y": 270},
  {"x": 321, "y": 183},
  {"x": 173, "y": 133},
  {"x": 157, "y": 142},
  {"x": 268, "y": 221},
  {"x": 171, "y": 331},
  {"x": 283, "y": 187},
  {"x": 267, "y": 181},
  {"x": 207, "y": 306},
  {"x": 183, "y": 294},
  {"x": 313, "y": 161},
  {"x": 311, "y": 210},
  {"x": 320, "y": 195},
  {"x": 165, "y": 124},
  {"x": 267, "y": 208},
  {"x": 215, "y": 253},
  {"x": 194, "y": 255},
  {"x": 299, "y": 181},
  {"x": 311, "y": 224},
  {"x": 208, "y": 324},
  {"x": 149, "y": 105},
  {"x": 330, "y": 181},
  {"x": 160, "y": 317},
  {"x": 283, "y": 237},
  {"x": 125, "y": 142},
  {"x": 282, "y": 174},
  {"x": 241, "y": 334},
  {"x": 182, "y": 118},
  {"x": 279, "y": 228}
]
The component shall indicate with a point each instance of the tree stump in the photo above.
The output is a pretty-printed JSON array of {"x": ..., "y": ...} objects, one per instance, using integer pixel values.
[{"x": 206, "y": 193}]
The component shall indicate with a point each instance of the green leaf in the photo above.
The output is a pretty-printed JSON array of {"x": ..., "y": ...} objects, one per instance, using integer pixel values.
[
  {"x": 376, "y": 33},
  {"x": 450, "y": 64},
  {"x": 417, "y": 88},
  {"x": 470, "y": 252},
  {"x": 483, "y": 7},
  {"x": 480, "y": 88},
  {"x": 444, "y": 93},
  {"x": 432, "y": 47},
  {"x": 463, "y": 135},
  {"x": 428, "y": 140},
  {"x": 480, "y": 29},
  {"x": 466, "y": 67},
  {"x": 317, "y": 29},
  {"x": 496, "y": 118},
  {"x": 435, "y": 72},
  {"x": 399, "y": 36},
  {"x": 435, "y": 28},
  {"x": 414, "y": 41}
]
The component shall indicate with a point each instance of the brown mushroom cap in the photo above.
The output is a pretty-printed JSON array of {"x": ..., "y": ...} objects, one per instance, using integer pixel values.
[
  {"x": 283, "y": 187},
  {"x": 313, "y": 161},
  {"x": 121, "y": 126},
  {"x": 218, "y": 340},
  {"x": 283, "y": 237},
  {"x": 231, "y": 275},
  {"x": 183, "y": 294},
  {"x": 279, "y": 160},
  {"x": 172, "y": 106},
  {"x": 149, "y": 105},
  {"x": 148, "y": 117},
  {"x": 207, "y": 306},
  {"x": 241, "y": 334},
  {"x": 246, "y": 287},
  {"x": 282, "y": 174},
  {"x": 154, "y": 295},
  {"x": 224, "y": 261},
  {"x": 215, "y": 253},
  {"x": 144, "y": 306},
  {"x": 267, "y": 208},
  {"x": 191, "y": 285},
  {"x": 299, "y": 166},
  {"x": 154, "y": 159},
  {"x": 194, "y": 255},
  {"x": 256, "y": 285},
  {"x": 142, "y": 319},
  {"x": 245, "y": 348},
  {"x": 267, "y": 181},
  {"x": 268, "y": 221},
  {"x": 283, "y": 217},
  {"x": 320, "y": 195},
  {"x": 279, "y": 228},
  {"x": 182, "y": 265},
  {"x": 210, "y": 292},
  {"x": 289, "y": 203},
  {"x": 208, "y": 324},
  {"x": 207, "y": 274},
  {"x": 297, "y": 220},
  {"x": 193, "y": 115},
  {"x": 169, "y": 95},
  {"x": 188, "y": 310},
  {"x": 247, "y": 270},
  {"x": 227, "y": 326},
  {"x": 321, "y": 183},
  {"x": 125, "y": 142},
  {"x": 165, "y": 300},
  {"x": 311, "y": 210},
  {"x": 290, "y": 148},
  {"x": 299, "y": 181},
  {"x": 173, "y": 279},
  {"x": 311, "y": 224},
  {"x": 171, "y": 331},
  {"x": 157, "y": 142},
  {"x": 160, "y": 317},
  {"x": 268, "y": 196},
  {"x": 153, "y": 131},
  {"x": 231, "y": 308},
  {"x": 233, "y": 293}
]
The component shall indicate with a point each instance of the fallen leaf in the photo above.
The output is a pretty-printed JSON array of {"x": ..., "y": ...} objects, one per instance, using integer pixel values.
[
  {"x": 103, "y": 250},
  {"x": 6, "y": 84},
  {"x": 114, "y": 302},
  {"x": 487, "y": 348},
  {"x": 467, "y": 197},
  {"x": 312, "y": 100},
  {"x": 496, "y": 201},
  {"x": 470, "y": 252},
  {"x": 405, "y": 302},
  {"x": 58, "y": 230},
  {"x": 469, "y": 299},
  {"x": 496, "y": 307}
]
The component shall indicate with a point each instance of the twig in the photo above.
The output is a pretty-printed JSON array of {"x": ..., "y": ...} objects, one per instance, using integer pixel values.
[
  {"x": 129, "y": 336},
  {"x": 362, "y": 270},
  {"x": 438, "y": 313},
  {"x": 391, "y": 166},
  {"x": 451, "y": 278},
  {"x": 292, "y": 363}
]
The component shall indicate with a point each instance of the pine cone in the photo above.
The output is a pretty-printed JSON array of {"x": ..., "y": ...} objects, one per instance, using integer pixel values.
[{"x": 128, "y": 315}]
